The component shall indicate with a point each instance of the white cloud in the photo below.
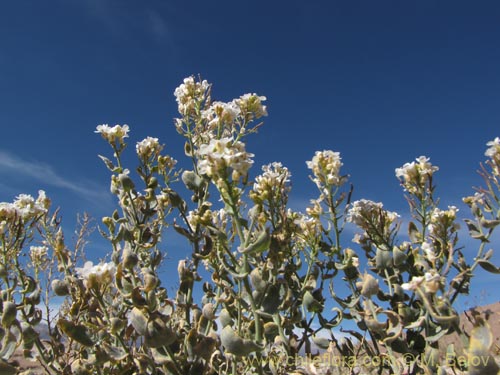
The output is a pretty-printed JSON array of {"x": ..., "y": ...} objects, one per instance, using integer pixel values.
[{"x": 44, "y": 173}]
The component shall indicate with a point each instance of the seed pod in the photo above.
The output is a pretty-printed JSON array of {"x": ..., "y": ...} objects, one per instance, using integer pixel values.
[
  {"x": 256, "y": 277},
  {"x": 9, "y": 313},
  {"x": 310, "y": 303},
  {"x": 76, "y": 332},
  {"x": 383, "y": 259},
  {"x": 126, "y": 182},
  {"x": 209, "y": 311},
  {"x": 261, "y": 243},
  {"x": 369, "y": 286},
  {"x": 28, "y": 333},
  {"x": 60, "y": 287},
  {"x": 153, "y": 183},
  {"x": 225, "y": 318},
  {"x": 191, "y": 180},
  {"x": 129, "y": 258},
  {"x": 398, "y": 256},
  {"x": 158, "y": 334},
  {"x": 175, "y": 199},
  {"x": 79, "y": 368},
  {"x": 150, "y": 282},
  {"x": 235, "y": 344}
]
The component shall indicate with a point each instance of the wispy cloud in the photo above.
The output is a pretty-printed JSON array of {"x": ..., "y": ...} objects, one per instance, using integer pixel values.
[
  {"x": 158, "y": 25},
  {"x": 121, "y": 20},
  {"x": 46, "y": 174}
]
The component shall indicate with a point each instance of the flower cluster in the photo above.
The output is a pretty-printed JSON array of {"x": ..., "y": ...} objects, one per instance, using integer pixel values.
[
  {"x": 38, "y": 254},
  {"x": 190, "y": 94},
  {"x": 100, "y": 274},
  {"x": 309, "y": 228},
  {"x": 251, "y": 106},
  {"x": 148, "y": 147},
  {"x": 493, "y": 152},
  {"x": 272, "y": 183},
  {"x": 363, "y": 212},
  {"x": 415, "y": 176},
  {"x": 220, "y": 113},
  {"x": 442, "y": 221},
  {"x": 220, "y": 154},
  {"x": 325, "y": 166},
  {"x": 113, "y": 134},
  {"x": 430, "y": 281},
  {"x": 25, "y": 207},
  {"x": 429, "y": 251}
]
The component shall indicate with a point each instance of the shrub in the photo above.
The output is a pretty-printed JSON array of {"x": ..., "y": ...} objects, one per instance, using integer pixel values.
[{"x": 268, "y": 301}]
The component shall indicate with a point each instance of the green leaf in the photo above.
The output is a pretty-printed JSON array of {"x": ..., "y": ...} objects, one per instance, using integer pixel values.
[
  {"x": 8, "y": 346},
  {"x": 488, "y": 266},
  {"x": 109, "y": 164},
  {"x": 261, "y": 243},
  {"x": 118, "y": 354},
  {"x": 271, "y": 300},
  {"x": 383, "y": 259},
  {"x": 413, "y": 232},
  {"x": 321, "y": 342},
  {"x": 139, "y": 321},
  {"x": 76, "y": 332},
  {"x": 474, "y": 231},
  {"x": 310, "y": 303},
  {"x": 7, "y": 369}
]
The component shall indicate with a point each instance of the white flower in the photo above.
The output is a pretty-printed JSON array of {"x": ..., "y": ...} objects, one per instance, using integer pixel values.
[
  {"x": 430, "y": 281},
  {"x": 112, "y": 134},
  {"x": 102, "y": 272},
  {"x": 189, "y": 94},
  {"x": 414, "y": 283},
  {"x": 272, "y": 184},
  {"x": 415, "y": 175},
  {"x": 325, "y": 166},
  {"x": 364, "y": 209},
  {"x": 7, "y": 211},
  {"x": 251, "y": 105},
  {"x": 220, "y": 112},
  {"x": 494, "y": 148},
  {"x": 429, "y": 251},
  {"x": 27, "y": 207},
  {"x": 442, "y": 221},
  {"x": 42, "y": 200},
  {"x": 148, "y": 147},
  {"x": 38, "y": 254},
  {"x": 220, "y": 154},
  {"x": 493, "y": 152}
]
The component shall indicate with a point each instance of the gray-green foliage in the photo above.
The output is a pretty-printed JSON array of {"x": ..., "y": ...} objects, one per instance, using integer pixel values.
[{"x": 271, "y": 294}]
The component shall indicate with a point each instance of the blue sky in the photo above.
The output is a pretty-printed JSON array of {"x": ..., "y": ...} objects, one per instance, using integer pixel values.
[{"x": 383, "y": 82}]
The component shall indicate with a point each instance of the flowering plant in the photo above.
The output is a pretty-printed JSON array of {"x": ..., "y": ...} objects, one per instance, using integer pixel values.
[{"x": 260, "y": 286}]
